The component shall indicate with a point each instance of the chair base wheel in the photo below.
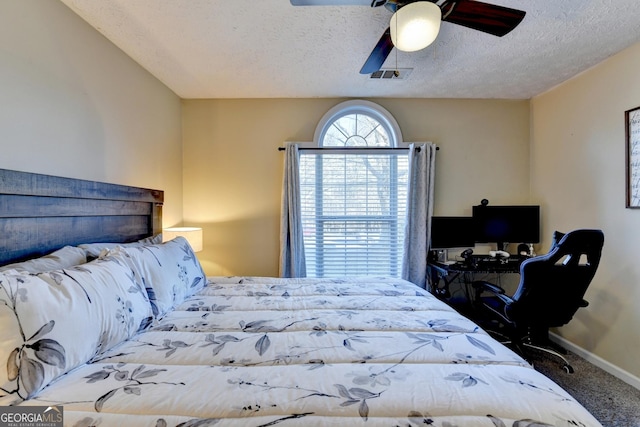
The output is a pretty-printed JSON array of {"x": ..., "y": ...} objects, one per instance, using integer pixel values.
[{"x": 566, "y": 366}]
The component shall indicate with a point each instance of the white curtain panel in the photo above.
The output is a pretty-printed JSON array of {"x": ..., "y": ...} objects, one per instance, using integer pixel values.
[
  {"x": 292, "y": 261},
  {"x": 419, "y": 212}
]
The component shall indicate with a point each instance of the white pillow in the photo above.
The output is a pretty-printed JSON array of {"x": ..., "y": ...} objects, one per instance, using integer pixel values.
[
  {"x": 169, "y": 271},
  {"x": 65, "y": 257},
  {"x": 53, "y": 322}
]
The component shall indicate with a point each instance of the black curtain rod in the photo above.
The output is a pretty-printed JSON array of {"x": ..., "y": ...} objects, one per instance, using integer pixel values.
[{"x": 350, "y": 148}]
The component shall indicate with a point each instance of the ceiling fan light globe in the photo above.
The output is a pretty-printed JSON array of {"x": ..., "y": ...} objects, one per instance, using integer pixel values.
[{"x": 415, "y": 26}]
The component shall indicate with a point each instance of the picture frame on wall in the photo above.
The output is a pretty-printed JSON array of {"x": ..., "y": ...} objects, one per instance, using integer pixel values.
[{"x": 632, "y": 134}]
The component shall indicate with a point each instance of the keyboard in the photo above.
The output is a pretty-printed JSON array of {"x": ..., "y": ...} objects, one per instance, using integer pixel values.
[
  {"x": 489, "y": 263},
  {"x": 484, "y": 263}
]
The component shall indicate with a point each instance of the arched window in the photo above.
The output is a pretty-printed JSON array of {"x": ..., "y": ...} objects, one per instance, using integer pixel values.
[
  {"x": 358, "y": 124},
  {"x": 353, "y": 193}
]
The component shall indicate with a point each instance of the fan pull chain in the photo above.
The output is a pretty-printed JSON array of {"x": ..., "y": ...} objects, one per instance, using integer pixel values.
[{"x": 396, "y": 73}]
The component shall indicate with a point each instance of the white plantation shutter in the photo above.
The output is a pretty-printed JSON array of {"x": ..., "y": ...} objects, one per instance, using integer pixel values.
[{"x": 353, "y": 211}]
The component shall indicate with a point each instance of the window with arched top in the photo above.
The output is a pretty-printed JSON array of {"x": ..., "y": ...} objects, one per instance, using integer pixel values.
[
  {"x": 353, "y": 193},
  {"x": 358, "y": 124}
]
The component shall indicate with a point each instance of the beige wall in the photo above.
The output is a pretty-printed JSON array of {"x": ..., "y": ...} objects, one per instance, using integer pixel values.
[
  {"x": 72, "y": 104},
  {"x": 233, "y": 170},
  {"x": 578, "y": 175}
]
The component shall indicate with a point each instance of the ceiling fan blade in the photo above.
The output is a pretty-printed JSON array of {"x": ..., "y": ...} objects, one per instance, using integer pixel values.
[
  {"x": 331, "y": 2},
  {"x": 488, "y": 18},
  {"x": 379, "y": 54}
]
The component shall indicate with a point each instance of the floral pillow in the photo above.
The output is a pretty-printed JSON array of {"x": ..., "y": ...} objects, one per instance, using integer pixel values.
[
  {"x": 94, "y": 250},
  {"x": 53, "y": 322},
  {"x": 170, "y": 272},
  {"x": 65, "y": 257}
]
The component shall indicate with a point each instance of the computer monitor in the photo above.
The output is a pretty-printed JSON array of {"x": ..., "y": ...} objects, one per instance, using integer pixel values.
[
  {"x": 452, "y": 232},
  {"x": 506, "y": 224}
]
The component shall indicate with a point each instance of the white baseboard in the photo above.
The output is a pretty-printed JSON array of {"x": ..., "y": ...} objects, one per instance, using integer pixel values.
[{"x": 623, "y": 375}]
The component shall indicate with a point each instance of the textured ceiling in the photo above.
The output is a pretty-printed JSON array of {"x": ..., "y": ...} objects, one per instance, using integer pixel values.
[{"x": 271, "y": 49}]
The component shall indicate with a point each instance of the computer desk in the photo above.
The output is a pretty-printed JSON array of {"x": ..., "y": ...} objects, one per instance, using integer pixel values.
[{"x": 440, "y": 275}]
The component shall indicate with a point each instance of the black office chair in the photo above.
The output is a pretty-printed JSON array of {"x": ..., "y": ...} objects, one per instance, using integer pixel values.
[{"x": 550, "y": 291}]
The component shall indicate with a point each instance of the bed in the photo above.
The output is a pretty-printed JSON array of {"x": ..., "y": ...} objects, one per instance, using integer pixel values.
[{"x": 140, "y": 336}]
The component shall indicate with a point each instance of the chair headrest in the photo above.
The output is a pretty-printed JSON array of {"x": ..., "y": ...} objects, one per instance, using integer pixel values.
[{"x": 582, "y": 240}]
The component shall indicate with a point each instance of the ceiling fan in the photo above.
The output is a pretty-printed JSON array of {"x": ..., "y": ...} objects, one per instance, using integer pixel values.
[{"x": 485, "y": 17}]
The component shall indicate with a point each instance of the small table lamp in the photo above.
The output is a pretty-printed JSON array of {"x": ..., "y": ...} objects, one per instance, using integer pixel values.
[{"x": 192, "y": 234}]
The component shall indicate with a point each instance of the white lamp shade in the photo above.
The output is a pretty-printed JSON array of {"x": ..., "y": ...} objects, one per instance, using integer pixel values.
[
  {"x": 415, "y": 26},
  {"x": 192, "y": 234}
]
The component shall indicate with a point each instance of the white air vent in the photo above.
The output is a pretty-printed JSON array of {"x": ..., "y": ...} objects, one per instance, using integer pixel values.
[{"x": 392, "y": 74}]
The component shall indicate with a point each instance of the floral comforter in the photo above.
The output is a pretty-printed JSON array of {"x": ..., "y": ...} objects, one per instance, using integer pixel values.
[{"x": 249, "y": 351}]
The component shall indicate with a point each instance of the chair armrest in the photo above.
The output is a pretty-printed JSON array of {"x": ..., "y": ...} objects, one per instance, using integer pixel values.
[{"x": 481, "y": 285}]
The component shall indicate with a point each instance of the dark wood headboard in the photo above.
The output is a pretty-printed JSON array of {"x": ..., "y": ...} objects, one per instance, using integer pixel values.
[{"x": 42, "y": 213}]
